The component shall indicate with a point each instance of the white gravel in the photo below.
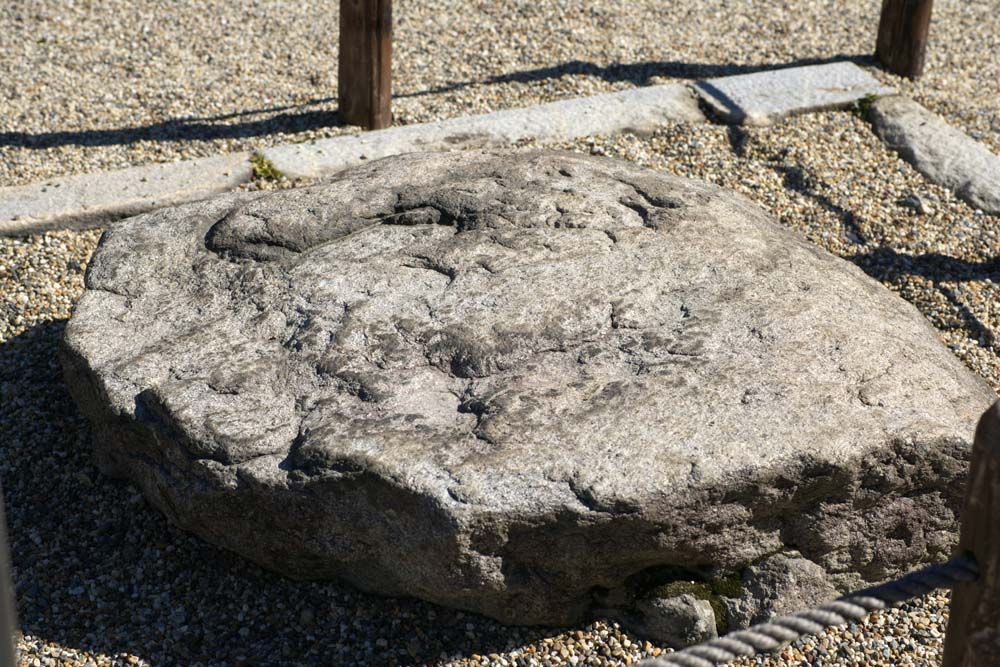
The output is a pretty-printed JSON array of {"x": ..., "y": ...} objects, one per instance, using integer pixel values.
[
  {"x": 102, "y": 579},
  {"x": 96, "y": 85}
]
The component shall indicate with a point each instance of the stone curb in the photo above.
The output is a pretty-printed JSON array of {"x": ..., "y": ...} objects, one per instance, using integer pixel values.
[
  {"x": 92, "y": 200},
  {"x": 640, "y": 110},
  {"x": 763, "y": 98},
  {"x": 943, "y": 154}
]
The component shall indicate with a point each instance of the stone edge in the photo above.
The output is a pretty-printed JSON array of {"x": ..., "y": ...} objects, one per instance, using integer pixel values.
[
  {"x": 93, "y": 200},
  {"x": 942, "y": 153},
  {"x": 728, "y": 111}
]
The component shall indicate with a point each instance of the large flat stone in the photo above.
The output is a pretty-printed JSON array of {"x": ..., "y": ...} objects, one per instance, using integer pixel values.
[
  {"x": 93, "y": 200},
  {"x": 640, "y": 110},
  {"x": 762, "y": 98},
  {"x": 524, "y": 384},
  {"x": 944, "y": 154}
]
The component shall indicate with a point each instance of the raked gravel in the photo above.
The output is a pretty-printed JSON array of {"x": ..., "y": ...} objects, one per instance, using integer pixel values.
[
  {"x": 102, "y": 84},
  {"x": 102, "y": 579}
]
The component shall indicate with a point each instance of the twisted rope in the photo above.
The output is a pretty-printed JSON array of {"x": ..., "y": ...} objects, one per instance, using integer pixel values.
[{"x": 778, "y": 632}]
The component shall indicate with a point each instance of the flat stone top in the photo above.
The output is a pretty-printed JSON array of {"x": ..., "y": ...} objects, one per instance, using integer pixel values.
[
  {"x": 523, "y": 331},
  {"x": 764, "y": 97}
]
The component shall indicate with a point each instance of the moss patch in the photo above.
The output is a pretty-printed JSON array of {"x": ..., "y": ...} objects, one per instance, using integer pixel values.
[
  {"x": 861, "y": 107},
  {"x": 712, "y": 591},
  {"x": 264, "y": 169}
]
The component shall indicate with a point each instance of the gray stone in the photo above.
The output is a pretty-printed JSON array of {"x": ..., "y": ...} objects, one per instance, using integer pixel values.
[
  {"x": 676, "y": 622},
  {"x": 917, "y": 203},
  {"x": 945, "y": 155},
  {"x": 503, "y": 381},
  {"x": 780, "y": 584},
  {"x": 639, "y": 110},
  {"x": 762, "y": 98},
  {"x": 93, "y": 200}
]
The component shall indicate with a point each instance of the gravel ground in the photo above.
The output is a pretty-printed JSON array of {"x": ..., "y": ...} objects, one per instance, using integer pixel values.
[
  {"x": 102, "y": 579},
  {"x": 97, "y": 85}
]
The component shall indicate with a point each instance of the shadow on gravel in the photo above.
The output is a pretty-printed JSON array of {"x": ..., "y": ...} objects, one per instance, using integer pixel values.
[
  {"x": 799, "y": 180},
  {"x": 186, "y": 129},
  {"x": 888, "y": 266},
  {"x": 96, "y": 570},
  {"x": 291, "y": 119},
  {"x": 640, "y": 74}
]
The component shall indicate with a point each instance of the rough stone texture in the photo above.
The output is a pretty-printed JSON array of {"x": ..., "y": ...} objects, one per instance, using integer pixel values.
[
  {"x": 93, "y": 200},
  {"x": 944, "y": 154},
  {"x": 762, "y": 98},
  {"x": 677, "y": 621},
  {"x": 781, "y": 584},
  {"x": 512, "y": 382},
  {"x": 639, "y": 110}
]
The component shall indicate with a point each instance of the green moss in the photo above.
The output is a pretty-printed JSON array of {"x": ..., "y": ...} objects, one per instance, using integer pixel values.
[
  {"x": 264, "y": 169},
  {"x": 711, "y": 591},
  {"x": 861, "y": 107},
  {"x": 673, "y": 589}
]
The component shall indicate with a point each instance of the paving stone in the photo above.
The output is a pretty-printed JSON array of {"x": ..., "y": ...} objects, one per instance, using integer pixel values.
[
  {"x": 93, "y": 200},
  {"x": 944, "y": 154},
  {"x": 762, "y": 98},
  {"x": 640, "y": 110}
]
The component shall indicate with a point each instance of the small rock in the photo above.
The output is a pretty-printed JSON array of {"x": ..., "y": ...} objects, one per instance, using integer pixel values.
[
  {"x": 917, "y": 203},
  {"x": 676, "y": 621},
  {"x": 781, "y": 584}
]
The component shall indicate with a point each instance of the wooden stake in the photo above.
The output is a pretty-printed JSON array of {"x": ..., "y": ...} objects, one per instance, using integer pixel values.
[
  {"x": 973, "y": 638},
  {"x": 902, "y": 36},
  {"x": 364, "y": 70},
  {"x": 8, "y": 618}
]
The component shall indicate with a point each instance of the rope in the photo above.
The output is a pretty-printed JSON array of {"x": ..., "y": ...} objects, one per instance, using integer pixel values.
[{"x": 778, "y": 632}]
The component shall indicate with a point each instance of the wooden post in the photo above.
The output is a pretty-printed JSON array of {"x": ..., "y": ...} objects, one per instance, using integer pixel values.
[
  {"x": 973, "y": 638},
  {"x": 902, "y": 36},
  {"x": 364, "y": 70},
  {"x": 8, "y": 618}
]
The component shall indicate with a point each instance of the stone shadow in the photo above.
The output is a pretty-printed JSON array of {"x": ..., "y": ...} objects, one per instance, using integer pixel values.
[
  {"x": 292, "y": 119},
  {"x": 639, "y": 73},
  {"x": 296, "y": 118},
  {"x": 95, "y": 569},
  {"x": 887, "y": 265}
]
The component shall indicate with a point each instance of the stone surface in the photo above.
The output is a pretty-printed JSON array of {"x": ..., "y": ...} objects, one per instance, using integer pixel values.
[
  {"x": 638, "y": 110},
  {"x": 778, "y": 585},
  {"x": 93, "y": 200},
  {"x": 762, "y": 98},
  {"x": 944, "y": 154},
  {"x": 677, "y": 621},
  {"x": 504, "y": 381}
]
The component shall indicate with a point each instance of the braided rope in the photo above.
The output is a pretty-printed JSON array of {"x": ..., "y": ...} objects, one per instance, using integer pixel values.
[{"x": 773, "y": 635}]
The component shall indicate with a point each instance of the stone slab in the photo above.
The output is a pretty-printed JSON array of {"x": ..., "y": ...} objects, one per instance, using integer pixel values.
[
  {"x": 639, "y": 110},
  {"x": 942, "y": 153},
  {"x": 93, "y": 200},
  {"x": 526, "y": 384},
  {"x": 762, "y": 98}
]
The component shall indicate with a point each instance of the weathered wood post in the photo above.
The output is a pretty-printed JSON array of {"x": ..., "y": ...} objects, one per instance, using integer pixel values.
[
  {"x": 902, "y": 36},
  {"x": 8, "y": 619},
  {"x": 364, "y": 69},
  {"x": 973, "y": 638}
]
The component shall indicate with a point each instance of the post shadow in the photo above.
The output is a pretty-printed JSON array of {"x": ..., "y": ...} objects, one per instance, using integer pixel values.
[{"x": 297, "y": 118}]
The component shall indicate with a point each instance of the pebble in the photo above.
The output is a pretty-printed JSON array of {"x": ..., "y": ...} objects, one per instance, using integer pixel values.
[{"x": 92, "y": 86}]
